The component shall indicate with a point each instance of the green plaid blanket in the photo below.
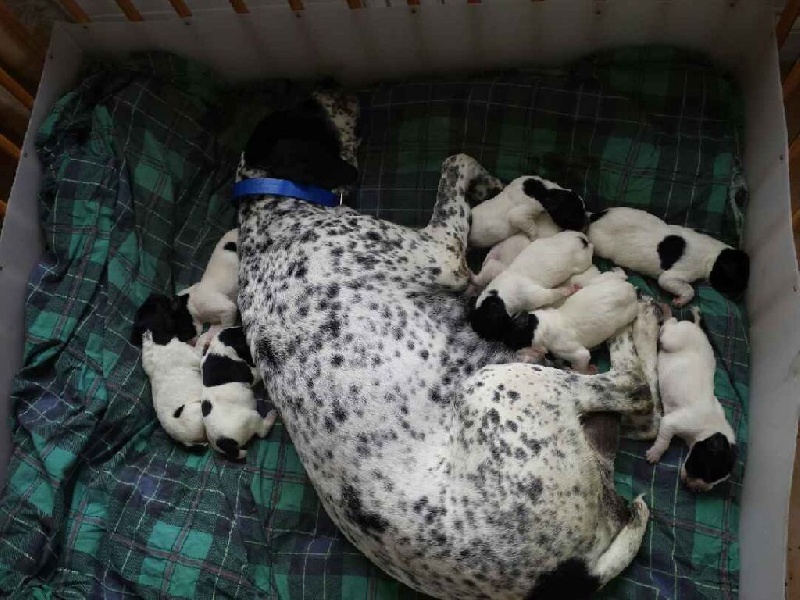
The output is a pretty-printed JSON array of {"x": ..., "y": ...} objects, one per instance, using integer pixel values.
[{"x": 138, "y": 163}]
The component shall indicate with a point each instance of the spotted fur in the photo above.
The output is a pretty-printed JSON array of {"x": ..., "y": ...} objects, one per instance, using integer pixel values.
[{"x": 454, "y": 469}]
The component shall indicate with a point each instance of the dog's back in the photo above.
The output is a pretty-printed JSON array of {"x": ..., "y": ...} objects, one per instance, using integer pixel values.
[{"x": 686, "y": 365}]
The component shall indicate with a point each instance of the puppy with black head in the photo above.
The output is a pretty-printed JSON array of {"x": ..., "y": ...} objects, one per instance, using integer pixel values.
[
  {"x": 676, "y": 255},
  {"x": 530, "y": 205},
  {"x": 686, "y": 366},
  {"x": 228, "y": 404},
  {"x": 162, "y": 327},
  {"x": 530, "y": 282}
]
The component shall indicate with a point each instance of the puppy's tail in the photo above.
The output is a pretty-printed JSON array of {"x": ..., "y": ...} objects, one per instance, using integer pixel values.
[{"x": 696, "y": 315}]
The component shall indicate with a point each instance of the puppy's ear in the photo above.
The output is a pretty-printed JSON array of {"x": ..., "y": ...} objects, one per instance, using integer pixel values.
[
  {"x": 520, "y": 333},
  {"x": 183, "y": 323},
  {"x": 154, "y": 316}
]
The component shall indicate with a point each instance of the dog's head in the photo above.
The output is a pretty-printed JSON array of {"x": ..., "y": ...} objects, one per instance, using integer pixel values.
[
  {"x": 565, "y": 207},
  {"x": 521, "y": 331},
  {"x": 731, "y": 273},
  {"x": 302, "y": 144},
  {"x": 165, "y": 318},
  {"x": 710, "y": 461},
  {"x": 489, "y": 317}
]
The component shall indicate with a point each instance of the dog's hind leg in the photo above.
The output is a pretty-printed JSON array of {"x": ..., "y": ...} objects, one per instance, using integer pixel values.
[{"x": 624, "y": 546}]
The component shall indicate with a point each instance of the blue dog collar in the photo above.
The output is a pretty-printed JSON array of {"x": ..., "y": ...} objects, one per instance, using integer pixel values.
[{"x": 282, "y": 187}]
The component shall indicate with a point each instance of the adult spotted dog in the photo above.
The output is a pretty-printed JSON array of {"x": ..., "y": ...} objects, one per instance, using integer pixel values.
[{"x": 456, "y": 470}]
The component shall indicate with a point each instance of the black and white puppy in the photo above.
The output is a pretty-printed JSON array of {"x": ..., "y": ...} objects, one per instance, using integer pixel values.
[
  {"x": 686, "y": 365},
  {"x": 585, "y": 320},
  {"x": 530, "y": 282},
  {"x": 676, "y": 255},
  {"x": 162, "y": 327},
  {"x": 212, "y": 300},
  {"x": 530, "y": 205},
  {"x": 228, "y": 404}
]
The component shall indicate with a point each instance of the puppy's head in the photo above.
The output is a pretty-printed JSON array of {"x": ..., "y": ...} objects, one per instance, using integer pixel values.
[
  {"x": 581, "y": 250},
  {"x": 565, "y": 207},
  {"x": 489, "y": 318},
  {"x": 731, "y": 273},
  {"x": 710, "y": 462},
  {"x": 521, "y": 331},
  {"x": 301, "y": 145},
  {"x": 186, "y": 328},
  {"x": 154, "y": 315}
]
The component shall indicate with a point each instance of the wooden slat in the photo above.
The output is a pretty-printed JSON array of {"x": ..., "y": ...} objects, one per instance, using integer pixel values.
[
  {"x": 3, "y": 209},
  {"x": 791, "y": 11},
  {"x": 15, "y": 89},
  {"x": 796, "y": 221},
  {"x": 355, "y": 4},
  {"x": 75, "y": 11},
  {"x": 131, "y": 12},
  {"x": 181, "y": 8},
  {"x": 19, "y": 31},
  {"x": 239, "y": 6},
  {"x": 9, "y": 147},
  {"x": 794, "y": 149},
  {"x": 792, "y": 81},
  {"x": 296, "y": 4}
]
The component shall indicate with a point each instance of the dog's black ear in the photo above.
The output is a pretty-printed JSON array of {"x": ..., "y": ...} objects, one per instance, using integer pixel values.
[
  {"x": 235, "y": 338},
  {"x": 520, "y": 333},
  {"x": 309, "y": 162},
  {"x": 154, "y": 315},
  {"x": 183, "y": 323}
]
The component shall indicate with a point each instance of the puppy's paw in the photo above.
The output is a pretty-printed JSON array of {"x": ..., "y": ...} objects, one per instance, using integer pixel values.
[
  {"x": 653, "y": 455},
  {"x": 620, "y": 272},
  {"x": 640, "y": 509},
  {"x": 570, "y": 289},
  {"x": 267, "y": 423},
  {"x": 591, "y": 370},
  {"x": 681, "y": 301}
]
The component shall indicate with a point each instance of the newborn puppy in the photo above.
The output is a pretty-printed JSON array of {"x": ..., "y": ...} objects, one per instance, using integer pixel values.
[
  {"x": 527, "y": 283},
  {"x": 173, "y": 366},
  {"x": 590, "y": 276},
  {"x": 586, "y": 319},
  {"x": 213, "y": 299},
  {"x": 676, "y": 255},
  {"x": 691, "y": 411},
  {"x": 228, "y": 404},
  {"x": 499, "y": 258},
  {"x": 529, "y": 205}
]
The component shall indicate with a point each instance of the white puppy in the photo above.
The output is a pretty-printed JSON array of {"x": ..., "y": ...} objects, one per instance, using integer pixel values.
[
  {"x": 530, "y": 205},
  {"x": 174, "y": 372},
  {"x": 676, "y": 255},
  {"x": 528, "y": 282},
  {"x": 162, "y": 327},
  {"x": 213, "y": 299},
  {"x": 499, "y": 258},
  {"x": 228, "y": 405},
  {"x": 586, "y": 319},
  {"x": 686, "y": 366}
]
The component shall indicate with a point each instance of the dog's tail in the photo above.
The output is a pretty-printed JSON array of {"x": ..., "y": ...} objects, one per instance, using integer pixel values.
[{"x": 696, "y": 315}]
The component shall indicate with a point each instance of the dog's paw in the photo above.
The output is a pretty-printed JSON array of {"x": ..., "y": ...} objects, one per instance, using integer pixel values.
[
  {"x": 620, "y": 272},
  {"x": 640, "y": 509},
  {"x": 570, "y": 289},
  {"x": 531, "y": 355},
  {"x": 267, "y": 423},
  {"x": 653, "y": 455}
]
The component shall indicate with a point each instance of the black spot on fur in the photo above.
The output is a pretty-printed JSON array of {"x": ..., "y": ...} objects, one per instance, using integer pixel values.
[
  {"x": 178, "y": 411},
  {"x": 367, "y": 521},
  {"x": 520, "y": 333},
  {"x": 206, "y": 407},
  {"x": 234, "y": 337},
  {"x": 266, "y": 353},
  {"x": 219, "y": 370},
  {"x": 711, "y": 459},
  {"x": 229, "y": 447},
  {"x": 570, "y": 579},
  {"x": 565, "y": 207},
  {"x": 490, "y": 320},
  {"x": 230, "y": 246},
  {"x": 670, "y": 250},
  {"x": 731, "y": 273}
]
